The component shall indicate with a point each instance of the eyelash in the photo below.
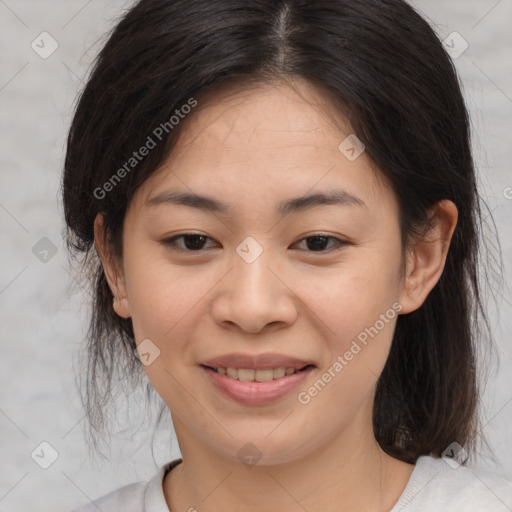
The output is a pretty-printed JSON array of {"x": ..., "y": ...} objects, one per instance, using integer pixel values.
[{"x": 171, "y": 242}]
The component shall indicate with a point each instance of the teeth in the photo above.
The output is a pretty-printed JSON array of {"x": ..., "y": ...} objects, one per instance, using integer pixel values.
[
  {"x": 248, "y": 375},
  {"x": 232, "y": 372},
  {"x": 281, "y": 372}
]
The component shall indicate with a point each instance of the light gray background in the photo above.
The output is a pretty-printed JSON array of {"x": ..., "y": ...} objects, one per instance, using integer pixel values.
[{"x": 43, "y": 319}]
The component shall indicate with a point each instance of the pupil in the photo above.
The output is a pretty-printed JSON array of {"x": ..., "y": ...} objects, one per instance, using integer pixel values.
[
  {"x": 315, "y": 246},
  {"x": 195, "y": 241}
]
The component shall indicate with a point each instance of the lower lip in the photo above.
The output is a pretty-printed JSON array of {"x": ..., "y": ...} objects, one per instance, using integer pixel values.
[{"x": 256, "y": 393}]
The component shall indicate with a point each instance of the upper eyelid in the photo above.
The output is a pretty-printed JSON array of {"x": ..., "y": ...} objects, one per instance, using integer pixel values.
[{"x": 339, "y": 241}]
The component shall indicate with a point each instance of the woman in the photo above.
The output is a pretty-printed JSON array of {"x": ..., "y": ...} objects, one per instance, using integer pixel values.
[{"x": 277, "y": 203}]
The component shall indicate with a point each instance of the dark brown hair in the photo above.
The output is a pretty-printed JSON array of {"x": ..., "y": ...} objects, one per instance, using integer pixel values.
[{"x": 391, "y": 78}]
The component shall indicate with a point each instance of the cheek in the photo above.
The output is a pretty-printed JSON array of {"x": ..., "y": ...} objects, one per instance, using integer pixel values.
[
  {"x": 353, "y": 300},
  {"x": 358, "y": 310},
  {"x": 154, "y": 306},
  {"x": 167, "y": 304},
  {"x": 160, "y": 294},
  {"x": 360, "y": 322}
]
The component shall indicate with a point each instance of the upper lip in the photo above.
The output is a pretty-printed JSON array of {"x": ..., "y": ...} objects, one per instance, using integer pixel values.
[{"x": 256, "y": 362}]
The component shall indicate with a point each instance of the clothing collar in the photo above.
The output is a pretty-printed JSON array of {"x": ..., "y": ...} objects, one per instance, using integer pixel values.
[{"x": 154, "y": 498}]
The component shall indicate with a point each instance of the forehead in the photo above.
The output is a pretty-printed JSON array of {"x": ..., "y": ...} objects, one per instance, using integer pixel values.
[
  {"x": 265, "y": 117},
  {"x": 255, "y": 142}
]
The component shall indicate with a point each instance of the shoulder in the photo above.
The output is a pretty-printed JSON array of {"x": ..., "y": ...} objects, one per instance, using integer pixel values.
[
  {"x": 437, "y": 485},
  {"x": 129, "y": 498},
  {"x": 135, "y": 497}
]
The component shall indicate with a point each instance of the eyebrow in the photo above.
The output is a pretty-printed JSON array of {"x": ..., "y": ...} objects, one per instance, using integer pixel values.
[{"x": 295, "y": 205}]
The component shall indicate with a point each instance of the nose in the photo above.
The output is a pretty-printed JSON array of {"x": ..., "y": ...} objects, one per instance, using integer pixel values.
[{"x": 255, "y": 296}]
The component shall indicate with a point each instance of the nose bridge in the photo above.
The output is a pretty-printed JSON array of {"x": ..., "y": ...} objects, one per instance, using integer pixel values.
[
  {"x": 253, "y": 278},
  {"x": 255, "y": 296}
]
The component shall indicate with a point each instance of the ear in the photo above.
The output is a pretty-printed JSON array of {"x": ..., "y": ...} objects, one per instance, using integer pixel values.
[
  {"x": 112, "y": 269},
  {"x": 426, "y": 257}
]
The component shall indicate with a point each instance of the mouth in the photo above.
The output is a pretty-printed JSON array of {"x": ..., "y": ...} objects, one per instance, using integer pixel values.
[
  {"x": 256, "y": 387},
  {"x": 257, "y": 375}
]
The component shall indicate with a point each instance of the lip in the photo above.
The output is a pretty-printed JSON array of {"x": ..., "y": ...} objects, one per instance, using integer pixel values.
[
  {"x": 256, "y": 393},
  {"x": 256, "y": 362}
]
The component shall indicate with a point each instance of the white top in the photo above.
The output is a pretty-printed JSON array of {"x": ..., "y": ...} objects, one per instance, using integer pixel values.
[{"x": 434, "y": 486}]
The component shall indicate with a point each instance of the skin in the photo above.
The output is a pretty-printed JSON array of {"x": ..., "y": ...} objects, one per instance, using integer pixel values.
[{"x": 254, "y": 148}]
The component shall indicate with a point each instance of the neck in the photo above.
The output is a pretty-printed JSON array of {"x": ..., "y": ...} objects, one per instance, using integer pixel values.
[{"x": 349, "y": 473}]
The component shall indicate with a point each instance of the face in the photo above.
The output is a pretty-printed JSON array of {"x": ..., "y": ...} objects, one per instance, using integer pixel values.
[{"x": 313, "y": 284}]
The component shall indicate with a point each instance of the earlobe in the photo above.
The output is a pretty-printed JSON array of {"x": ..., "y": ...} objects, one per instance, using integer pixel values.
[
  {"x": 113, "y": 275},
  {"x": 121, "y": 307},
  {"x": 426, "y": 257}
]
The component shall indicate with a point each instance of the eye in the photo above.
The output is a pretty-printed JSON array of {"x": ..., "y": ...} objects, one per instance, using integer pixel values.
[
  {"x": 194, "y": 242},
  {"x": 317, "y": 242}
]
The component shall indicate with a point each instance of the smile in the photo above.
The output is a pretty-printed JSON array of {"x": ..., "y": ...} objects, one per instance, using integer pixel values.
[
  {"x": 263, "y": 375},
  {"x": 256, "y": 387}
]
